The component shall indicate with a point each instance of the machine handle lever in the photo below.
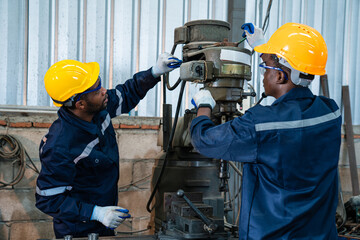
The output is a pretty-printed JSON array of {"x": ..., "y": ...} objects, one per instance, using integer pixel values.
[
  {"x": 209, "y": 225},
  {"x": 251, "y": 94}
]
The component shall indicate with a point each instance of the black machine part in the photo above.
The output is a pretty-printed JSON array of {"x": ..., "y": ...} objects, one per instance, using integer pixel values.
[
  {"x": 189, "y": 217},
  {"x": 209, "y": 226}
]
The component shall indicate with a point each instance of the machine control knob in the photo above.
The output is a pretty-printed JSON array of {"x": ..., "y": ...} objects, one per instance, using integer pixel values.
[{"x": 180, "y": 193}]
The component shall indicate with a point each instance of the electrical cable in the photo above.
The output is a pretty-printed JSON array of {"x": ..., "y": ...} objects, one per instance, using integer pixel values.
[
  {"x": 251, "y": 86},
  {"x": 265, "y": 23},
  {"x": 230, "y": 202},
  {"x": 12, "y": 149},
  {"x": 167, "y": 85},
  {"x": 239, "y": 197},
  {"x": 168, "y": 148},
  {"x": 174, "y": 86},
  {"x": 166, "y": 77},
  {"x": 235, "y": 196},
  {"x": 266, "y": 20},
  {"x": 137, "y": 181},
  {"x": 235, "y": 168}
]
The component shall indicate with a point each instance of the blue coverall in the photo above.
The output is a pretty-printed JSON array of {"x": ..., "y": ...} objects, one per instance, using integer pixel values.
[
  {"x": 290, "y": 152},
  {"x": 80, "y": 162}
]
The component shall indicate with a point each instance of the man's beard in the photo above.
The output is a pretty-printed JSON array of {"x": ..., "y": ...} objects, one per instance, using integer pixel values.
[{"x": 93, "y": 109}]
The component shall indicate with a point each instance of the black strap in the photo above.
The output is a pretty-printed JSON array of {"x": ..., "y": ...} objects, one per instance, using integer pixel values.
[
  {"x": 306, "y": 76},
  {"x": 67, "y": 103}
]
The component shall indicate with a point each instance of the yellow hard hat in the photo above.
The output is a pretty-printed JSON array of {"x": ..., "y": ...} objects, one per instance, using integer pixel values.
[
  {"x": 301, "y": 46},
  {"x": 67, "y": 78}
]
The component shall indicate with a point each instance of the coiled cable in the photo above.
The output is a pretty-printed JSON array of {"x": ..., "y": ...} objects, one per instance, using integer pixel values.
[{"x": 12, "y": 150}]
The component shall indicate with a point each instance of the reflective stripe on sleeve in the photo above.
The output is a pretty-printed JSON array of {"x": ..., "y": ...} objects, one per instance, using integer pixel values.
[
  {"x": 87, "y": 150},
  {"x": 105, "y": 124},
  {"x": 297, "y": 123},
  {"x": 52, "y": 191},
  {"x": 118, "y": 110}
]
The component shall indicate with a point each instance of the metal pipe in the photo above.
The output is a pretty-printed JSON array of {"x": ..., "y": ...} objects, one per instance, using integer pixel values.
[
  {"x": 26, "y": 52},
  {"x": 111, "y": 60},
  {"x": 84, "y": 32}
]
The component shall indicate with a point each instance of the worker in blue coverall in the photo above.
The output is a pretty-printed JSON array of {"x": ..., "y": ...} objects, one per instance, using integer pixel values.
[
  {"x": 290, "y": 149},
  {"x": 79, "y": 156}
]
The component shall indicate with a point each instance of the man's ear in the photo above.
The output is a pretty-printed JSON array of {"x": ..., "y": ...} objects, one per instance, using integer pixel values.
[
  {"x": 80, "y": 104},
  {"x": 281, "y": 79}
]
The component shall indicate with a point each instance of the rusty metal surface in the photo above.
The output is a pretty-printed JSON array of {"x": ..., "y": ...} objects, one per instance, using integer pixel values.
[
  {"x": 208, "y": 30},
  {"x": 202, "y": 30},
  {"x": 236, "y": 69}
]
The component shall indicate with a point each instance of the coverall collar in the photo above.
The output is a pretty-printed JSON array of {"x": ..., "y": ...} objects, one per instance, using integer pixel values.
[
  {"x": 295, "y": 93},
  {"x": 90, "y": 127}
]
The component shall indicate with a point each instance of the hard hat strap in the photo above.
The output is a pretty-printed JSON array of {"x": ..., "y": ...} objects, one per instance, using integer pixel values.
[
  {"x": 67, "y": 103},
  {"x": 297, "y": 77}
]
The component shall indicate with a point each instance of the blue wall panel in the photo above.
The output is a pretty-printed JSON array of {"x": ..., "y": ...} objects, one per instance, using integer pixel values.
[{"x": 125, "y": 36}]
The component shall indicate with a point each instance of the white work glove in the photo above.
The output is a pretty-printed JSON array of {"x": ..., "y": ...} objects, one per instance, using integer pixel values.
[
  {"x": 254, "y": 35},
  {"x": 165, "y": 63},
  {"x": 203, "y": 99},
  {"x": 111, "y": 216}
]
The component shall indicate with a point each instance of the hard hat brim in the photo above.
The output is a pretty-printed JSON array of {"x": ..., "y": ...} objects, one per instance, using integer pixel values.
[{"x": 57, "y": 104}]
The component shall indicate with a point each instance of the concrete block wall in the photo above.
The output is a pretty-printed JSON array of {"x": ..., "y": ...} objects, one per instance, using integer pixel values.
[{"x": 138, "y": 147}]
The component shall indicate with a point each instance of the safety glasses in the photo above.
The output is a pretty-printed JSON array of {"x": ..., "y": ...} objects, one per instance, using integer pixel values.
[
  {"x": 89, "y": 91},
  {"x": 263, "y": 68}
]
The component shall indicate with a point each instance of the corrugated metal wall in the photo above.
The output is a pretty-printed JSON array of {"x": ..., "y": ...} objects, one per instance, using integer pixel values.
[
  {"x": 126, "y": 36},
  {"x": 123, "y": 36},
  {"x": 338, "y": 22}
]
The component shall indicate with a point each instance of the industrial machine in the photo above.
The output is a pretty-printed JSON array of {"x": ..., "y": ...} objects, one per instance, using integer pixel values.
[
  {"x": 190, "y": 193},
  {"x": 191, "y": 197}
]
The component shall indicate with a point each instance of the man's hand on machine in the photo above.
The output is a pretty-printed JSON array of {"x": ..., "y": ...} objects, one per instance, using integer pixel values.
[
  {"x": 111, "y": 216},
  {"x": 165, "y": 63},
  {"x": 203, "y": 99},
  {"x": 253, "y": 34}
]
